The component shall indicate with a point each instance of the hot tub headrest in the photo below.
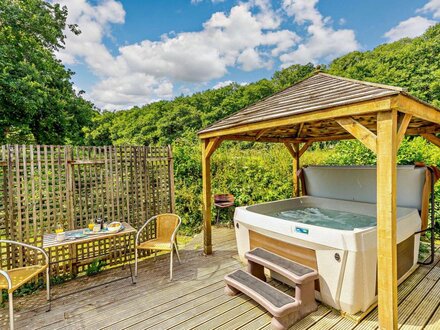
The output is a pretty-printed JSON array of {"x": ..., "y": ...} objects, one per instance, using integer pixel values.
[{"x": 358, "y": 183}]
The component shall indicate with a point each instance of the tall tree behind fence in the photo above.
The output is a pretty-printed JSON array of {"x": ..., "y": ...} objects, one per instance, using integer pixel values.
[{"x": 43, "y": 186}]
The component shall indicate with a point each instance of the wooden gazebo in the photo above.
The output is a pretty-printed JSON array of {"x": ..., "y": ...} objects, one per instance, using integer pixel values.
[{"x": 323, "y": 108}]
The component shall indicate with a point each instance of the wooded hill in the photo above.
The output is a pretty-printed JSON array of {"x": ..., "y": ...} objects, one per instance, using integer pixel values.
[{"x": 410, "y": 63}]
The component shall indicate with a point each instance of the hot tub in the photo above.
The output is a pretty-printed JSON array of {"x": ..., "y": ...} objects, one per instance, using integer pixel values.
[{"x": 335, "y": 236}]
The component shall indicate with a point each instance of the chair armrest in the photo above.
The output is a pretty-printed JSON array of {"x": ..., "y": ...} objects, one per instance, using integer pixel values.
[
  {"x": 173, "y": 236},
  {"x": 8, "y": 279},
  {"x": 46, "y": 257},
  {"x": 142, "y": 228}
]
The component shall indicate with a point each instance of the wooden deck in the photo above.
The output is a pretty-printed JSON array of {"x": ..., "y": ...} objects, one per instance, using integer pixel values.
[{"x": 195, "y": 299}]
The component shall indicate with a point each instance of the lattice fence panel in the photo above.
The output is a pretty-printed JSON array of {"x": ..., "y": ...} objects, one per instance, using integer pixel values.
[{"x": 42, "y": 187}]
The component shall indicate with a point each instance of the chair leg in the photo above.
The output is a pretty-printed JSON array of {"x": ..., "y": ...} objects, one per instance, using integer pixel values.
[
  {"x": 218, "y": 216},
  {"x": 177, "y": 252},
  {"x": 135, "y": 265},
  {"x": 48, "y": 289},
  {"x": 171, "y": 265},
  {"x": 11, "y": 312},
  {"x": 155, "y": 255}
]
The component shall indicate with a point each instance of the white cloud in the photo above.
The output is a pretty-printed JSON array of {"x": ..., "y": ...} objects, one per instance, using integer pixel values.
[
  {"x": 412, "y": 27},
  {"x": 433, "y": 6},
  {"x": 248, "y": 37},
  {"x": 94, "y": 23},
  {"x": 250, "y": 60},
  {"x": 303, "y": 11},
  {"x": 222, "y": 84},
  {"x": 323, "y": 42},
  {"x": 129, "y": 90}
]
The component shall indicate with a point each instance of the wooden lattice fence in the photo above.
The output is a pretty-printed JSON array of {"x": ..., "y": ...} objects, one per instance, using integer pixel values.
[{"x": 43, "y": 186}]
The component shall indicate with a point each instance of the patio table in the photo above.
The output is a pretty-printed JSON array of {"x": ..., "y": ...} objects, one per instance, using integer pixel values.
[{"x": 50, "y": 241}]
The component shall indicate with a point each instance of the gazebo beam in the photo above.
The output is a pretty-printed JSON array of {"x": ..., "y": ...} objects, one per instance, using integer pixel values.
[
  {"x": 416, "y": 108},
  {"x": 359, "y": 131},
  {"x": 409, "y": 131},
  {"x": 291, "y": 149},
  {"x": 361, "y": 108},
  {"x": 305, "y": 147},
  {"x": 300, "y": 128},
  {"x": 288, "y": 140},
  {"x": 208, "y": 148},
  {"x": 212, "y": 145},
  {"x": 261, "y": 133},
  {"x": 432, "y": 138},
  {"x": 386, "y": 218},
  {"x": 403, "y": 126}
]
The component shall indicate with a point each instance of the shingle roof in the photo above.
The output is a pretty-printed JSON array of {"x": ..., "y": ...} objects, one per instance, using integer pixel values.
[{"x": 320, "y": 91}]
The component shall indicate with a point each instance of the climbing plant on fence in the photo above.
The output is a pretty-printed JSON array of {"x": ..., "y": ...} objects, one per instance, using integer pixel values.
[{"x": 45, "y": 186}]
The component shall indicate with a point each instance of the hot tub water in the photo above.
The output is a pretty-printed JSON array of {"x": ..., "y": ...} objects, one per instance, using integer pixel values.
[{"x": 341, "y": 220}]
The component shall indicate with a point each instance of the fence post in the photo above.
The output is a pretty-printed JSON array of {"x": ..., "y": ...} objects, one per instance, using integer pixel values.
[
  {"x": 70, "y": 182},
  {"x": 171, "y": 179}
]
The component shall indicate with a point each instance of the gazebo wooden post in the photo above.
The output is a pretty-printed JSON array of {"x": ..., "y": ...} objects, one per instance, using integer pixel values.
[
  {"x": 208, "y": 148},
  {"x": 386, "y": 218},
  {"x": 296, "y": 153},
  {"x": 296, "y": 167}
]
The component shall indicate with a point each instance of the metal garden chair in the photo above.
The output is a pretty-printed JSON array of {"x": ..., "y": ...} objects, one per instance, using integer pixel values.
[
  {"x": 166, "y": 229},
  {"x": 14, "y": 278}
]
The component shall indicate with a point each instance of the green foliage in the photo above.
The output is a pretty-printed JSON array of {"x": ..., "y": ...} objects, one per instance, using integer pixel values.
[
  {"x": 287, "y": 77},
  {"x": 37, "y": 99},
  {"x": 247, "y": 170},
  {"x": 351, "y": 152},
  {"x": 410, "y": 63},
  {"x": 95, "y": 267}
]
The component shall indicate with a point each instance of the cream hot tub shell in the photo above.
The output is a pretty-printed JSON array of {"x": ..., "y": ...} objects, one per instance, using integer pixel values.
[{"x": 346, "y": 260}]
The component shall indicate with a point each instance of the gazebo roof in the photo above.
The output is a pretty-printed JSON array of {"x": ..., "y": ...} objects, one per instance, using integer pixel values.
[{"x": 301, "y": 113}]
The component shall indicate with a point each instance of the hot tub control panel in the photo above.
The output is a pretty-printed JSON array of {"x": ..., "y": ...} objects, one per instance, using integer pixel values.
[{"x": 301, "y": 230}]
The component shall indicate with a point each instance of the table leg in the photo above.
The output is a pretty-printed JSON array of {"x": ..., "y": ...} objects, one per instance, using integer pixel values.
[{"x": 74, "y": 257}]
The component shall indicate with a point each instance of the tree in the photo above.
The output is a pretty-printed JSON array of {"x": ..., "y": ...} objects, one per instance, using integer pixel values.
[
  {"x": 410, "y": 63},
  {"x": 291, "y": 75},
  {"x": 37, "y": 99}
]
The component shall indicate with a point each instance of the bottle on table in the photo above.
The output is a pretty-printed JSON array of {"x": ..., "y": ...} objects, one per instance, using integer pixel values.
[{"x": 100, "y": 223}]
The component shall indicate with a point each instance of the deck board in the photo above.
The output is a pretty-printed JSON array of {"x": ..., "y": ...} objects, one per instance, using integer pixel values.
[{"x": 195, "y": 298}]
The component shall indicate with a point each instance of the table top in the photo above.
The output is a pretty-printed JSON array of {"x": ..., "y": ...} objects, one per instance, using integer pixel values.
[{"x": 49, "y": 240}]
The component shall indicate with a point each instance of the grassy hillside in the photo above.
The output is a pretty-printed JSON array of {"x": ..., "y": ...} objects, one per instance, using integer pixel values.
[{"x": 248, "y": 170}]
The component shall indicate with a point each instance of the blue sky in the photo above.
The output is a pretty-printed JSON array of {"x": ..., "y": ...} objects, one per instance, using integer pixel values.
[{"x": 139, "y": 51}]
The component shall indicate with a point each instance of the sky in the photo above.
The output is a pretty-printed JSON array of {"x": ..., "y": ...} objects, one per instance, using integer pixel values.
[{"x": 134, "y": 52}]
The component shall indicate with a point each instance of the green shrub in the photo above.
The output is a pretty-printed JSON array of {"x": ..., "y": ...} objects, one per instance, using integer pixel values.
[
  {"x": 259, "y": 172},
  {"x": 95, "y": 267}
]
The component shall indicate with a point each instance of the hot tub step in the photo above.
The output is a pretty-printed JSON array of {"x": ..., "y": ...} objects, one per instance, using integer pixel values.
[
  {"x": 303, "y": 277},
  {"x": 297, "y": 273},
  {"x": 284, "y": 308}
]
